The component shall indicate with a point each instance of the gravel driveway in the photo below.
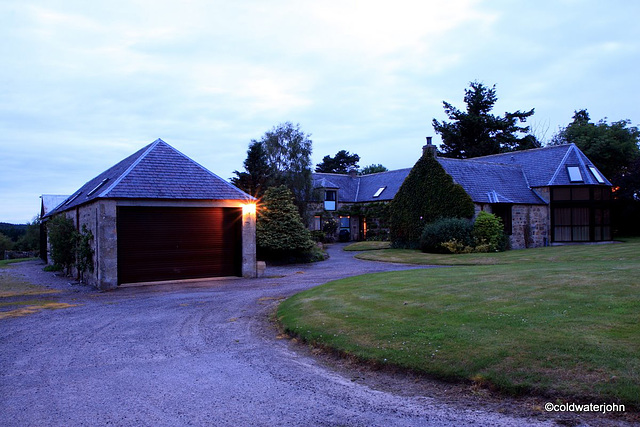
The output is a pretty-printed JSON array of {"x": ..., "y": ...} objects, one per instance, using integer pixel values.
[{"x": 197, "y": 353}]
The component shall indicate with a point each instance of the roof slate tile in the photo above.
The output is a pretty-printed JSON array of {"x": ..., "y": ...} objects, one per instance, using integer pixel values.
[{"x": 157, "y": 171}]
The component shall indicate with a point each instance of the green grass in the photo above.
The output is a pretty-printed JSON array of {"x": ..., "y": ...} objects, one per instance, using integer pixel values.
[
  {"x": 367, "y": 246},
  {"x": 5, "y": 262},
  {"x": 559, "y": 321}
]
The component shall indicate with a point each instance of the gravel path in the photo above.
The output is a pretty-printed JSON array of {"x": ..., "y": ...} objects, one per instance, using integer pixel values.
[{"x": 201, "y": 353}]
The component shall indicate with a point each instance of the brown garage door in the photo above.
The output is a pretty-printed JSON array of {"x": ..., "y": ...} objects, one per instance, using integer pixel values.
[{"x": 178, "y": 243}]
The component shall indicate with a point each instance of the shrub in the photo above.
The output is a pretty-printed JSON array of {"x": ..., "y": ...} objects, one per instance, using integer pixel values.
[
  {"x": 318, "y": 236},
  {"x": 70, "y": 248},
  {"x": 447, "y": 235},
  {"x": 62, "y": 237},
  {"x": 280, "y": 234},
  {"x": 488, "y": 233},
  {"x": 426, "y": 195},
  {"x": 84, "y": 252}
]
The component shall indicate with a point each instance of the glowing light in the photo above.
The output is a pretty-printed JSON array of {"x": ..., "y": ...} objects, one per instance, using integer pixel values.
[{"x": 249, "y": 209}]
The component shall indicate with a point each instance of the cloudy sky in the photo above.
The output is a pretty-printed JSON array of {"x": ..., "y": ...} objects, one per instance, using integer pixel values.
[{"x": 83, "y": 84}]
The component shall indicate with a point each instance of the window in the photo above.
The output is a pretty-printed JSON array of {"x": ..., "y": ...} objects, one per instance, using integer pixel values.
[
  {"x": 97, "y": 187},
  {"x": 344, "y": 222},
  {"x": 379, "y": 192},
  {"x": 596, "y": 174},
  {"x": 330, "y": 197},
  {"x": 574, "y": 174},
  {"x": 580, "y": 213},
  {"x": 317, "y": 222}
]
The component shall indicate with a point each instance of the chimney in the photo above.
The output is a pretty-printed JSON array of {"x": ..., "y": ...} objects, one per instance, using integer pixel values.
[
  {"x": 430, "y": 148},
  {"x": 353, "y": 172}
]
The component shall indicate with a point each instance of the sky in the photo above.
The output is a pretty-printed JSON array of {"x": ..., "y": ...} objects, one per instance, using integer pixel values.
[{"x": 85, "y": 84}]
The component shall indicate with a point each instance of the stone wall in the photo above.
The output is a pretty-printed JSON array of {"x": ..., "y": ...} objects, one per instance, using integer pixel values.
[
  {"x": 530, "y": 226},
  {"x": 100, "y": 217}
]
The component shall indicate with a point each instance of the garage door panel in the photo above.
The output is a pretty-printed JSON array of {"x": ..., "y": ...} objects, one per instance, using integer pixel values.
[{"x": 178, "y": 243}]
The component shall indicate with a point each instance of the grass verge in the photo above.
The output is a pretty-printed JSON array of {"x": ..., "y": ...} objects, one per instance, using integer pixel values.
[
  {"x": 559, "y": 321},
  {"x": 367, "y": 246},
  {"x": 5, "y": 262}
]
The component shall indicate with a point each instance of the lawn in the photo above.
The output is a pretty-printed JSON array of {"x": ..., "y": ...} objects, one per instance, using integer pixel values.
[
  {"x": 367, "y": 246},
  {"x": 560, "y": 321}
]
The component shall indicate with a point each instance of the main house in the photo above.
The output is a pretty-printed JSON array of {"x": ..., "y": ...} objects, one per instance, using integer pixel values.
[
  {"x": 543, "y": 196},
  {"x": 158, "y": 215}
]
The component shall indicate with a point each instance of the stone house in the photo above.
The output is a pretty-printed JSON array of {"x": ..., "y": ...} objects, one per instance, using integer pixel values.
[
  {"x": 158, "y": 215},
  {"x": 543, "y": 196}
]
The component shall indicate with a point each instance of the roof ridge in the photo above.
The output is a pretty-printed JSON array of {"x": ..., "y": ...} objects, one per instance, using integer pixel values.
[
  {"x": 484, "y": 162},
  {"x": 562, "y": 162},
  {"x": 130, "y": 168},
  {"x": 228, "y": 184}
]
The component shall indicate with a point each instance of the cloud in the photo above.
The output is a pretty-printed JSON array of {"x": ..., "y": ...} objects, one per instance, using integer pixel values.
[{"x": 84, "y": 84}]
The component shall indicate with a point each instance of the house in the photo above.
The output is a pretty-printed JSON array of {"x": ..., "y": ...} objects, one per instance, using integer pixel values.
[
  {"x": 543, "y": 196},
  {"x": 158, "y": 215}
]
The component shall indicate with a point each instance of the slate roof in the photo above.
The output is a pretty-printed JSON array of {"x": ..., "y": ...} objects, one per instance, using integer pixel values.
[
  {"x": 501, "y": 178},
  {"x": 51, "y": 201},
  {"x": 157, "y": 171},
  {"x": 548, "y": 166},
  {"x": 362, "y": 188},
  {"x": 491, "y": 182}
]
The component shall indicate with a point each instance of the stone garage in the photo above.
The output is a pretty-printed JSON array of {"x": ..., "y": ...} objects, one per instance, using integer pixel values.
[{"x": 158, "y": 215}]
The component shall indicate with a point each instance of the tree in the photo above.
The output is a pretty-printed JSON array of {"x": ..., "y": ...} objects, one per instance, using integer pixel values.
[
  {"x": 280, "y": 233},
  {"x": 426, "y": 195},
  {"x": 342, "y": 162},
  {"x": 611, "y": 147},
  {"x": 5, "y": 244},
  {"x": 373, "y": 169},
  {"x": 30, "y": 240},
  {"x": 258, "y": 175},
  {"x": 281, "y": 157},
  {"x": 476, "y": 132}
]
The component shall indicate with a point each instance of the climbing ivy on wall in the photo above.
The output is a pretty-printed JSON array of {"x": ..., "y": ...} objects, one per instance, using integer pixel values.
[{"x": 426, "y": 195}]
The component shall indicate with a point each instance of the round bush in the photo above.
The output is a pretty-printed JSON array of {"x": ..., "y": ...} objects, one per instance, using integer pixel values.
[
  {"x": 445, "y": 230},
  {"x": 488, "y": 233}
]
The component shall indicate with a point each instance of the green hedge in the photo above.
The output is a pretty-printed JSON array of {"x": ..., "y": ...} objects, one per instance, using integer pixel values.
[{"x": 427, "y": 194}]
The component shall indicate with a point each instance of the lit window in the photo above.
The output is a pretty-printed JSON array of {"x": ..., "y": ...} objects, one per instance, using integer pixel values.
[
  {"x": 574, "y": 174},
  {"x": 596, "y": 174},
  {"x": 379, "y": 192},
  {"x": 330, "y": 197}
]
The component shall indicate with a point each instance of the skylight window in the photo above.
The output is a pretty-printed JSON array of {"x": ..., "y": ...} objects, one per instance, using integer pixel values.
[
  {"x": 574, "y": 174},
  {"x": 596, "y": 174},
  {"x": 97, "y": 187},
  {"x": 379, "y": 192},
  {"x": 75, "y": 196}
]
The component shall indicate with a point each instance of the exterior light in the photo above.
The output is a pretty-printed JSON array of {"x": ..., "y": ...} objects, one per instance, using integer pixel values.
[{"x": 249, "y": 209}]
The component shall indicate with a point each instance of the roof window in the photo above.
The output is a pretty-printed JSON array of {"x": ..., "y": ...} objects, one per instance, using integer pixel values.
[
  {"x": 75, "y": 196},
  {"x": 596, "y": 174},
  {"x": 97, "y": 187},
  {"x": 574, "y": 174},
  {"x": 379, "y": 192}
]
